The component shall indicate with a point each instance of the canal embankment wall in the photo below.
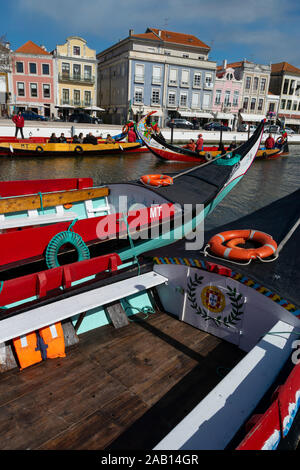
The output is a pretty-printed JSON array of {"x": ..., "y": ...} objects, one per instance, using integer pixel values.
[{"x": 45, "y": 129}]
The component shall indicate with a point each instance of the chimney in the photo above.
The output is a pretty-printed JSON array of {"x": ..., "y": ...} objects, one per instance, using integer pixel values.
[
  {"x": 159, "y": 33},
  {"x": 131, "y": 32},
  {"x": 224, "y": 64}
]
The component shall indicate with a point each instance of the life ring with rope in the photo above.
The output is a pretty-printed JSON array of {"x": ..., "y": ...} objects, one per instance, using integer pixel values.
[
  {"x": 39, "y": 149},
  {"x": 78, "y": 149},
  {"x": 157, "y": 180},
  {"x": 233, "y": 238},
  {"x": 282, "y": 139},
  {"x": 208, "y": 157},
  {"x": 60, "y": 239}
]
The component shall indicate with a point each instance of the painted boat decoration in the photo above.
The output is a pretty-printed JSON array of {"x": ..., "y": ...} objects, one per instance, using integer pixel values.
[
  {"x": 156, "y": 215},
  {"x": 215, "y": 297},
  {"x": 255, "y": 306}
]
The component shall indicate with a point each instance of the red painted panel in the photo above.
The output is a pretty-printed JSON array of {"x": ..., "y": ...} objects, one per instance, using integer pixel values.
[
  {"x": 32, "y": 242},
  {"x": 17, "y": 188},
  {"x": 40, "y": 283}
]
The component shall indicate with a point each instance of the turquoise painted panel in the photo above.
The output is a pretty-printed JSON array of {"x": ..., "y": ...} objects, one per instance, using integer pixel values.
[{"x": 95, "y": 318}]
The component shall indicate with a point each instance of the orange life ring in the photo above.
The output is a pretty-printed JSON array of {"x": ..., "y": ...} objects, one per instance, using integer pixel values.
[
  {"x": 125, "y": 129},
  {"x": 232, "y": 238},
  {"x": 157, "y": 180},
  {"x": 281, "y": 140}
]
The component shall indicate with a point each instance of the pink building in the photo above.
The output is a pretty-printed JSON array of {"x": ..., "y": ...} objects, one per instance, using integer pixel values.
[
  {"x": 33, "y": 79},
  {"x": 227, "y": 95}
]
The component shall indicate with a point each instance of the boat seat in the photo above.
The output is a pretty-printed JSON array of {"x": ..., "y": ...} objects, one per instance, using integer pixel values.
[
  {"x": 30, "y": 220},
  {"x": 36, "y": 318}
]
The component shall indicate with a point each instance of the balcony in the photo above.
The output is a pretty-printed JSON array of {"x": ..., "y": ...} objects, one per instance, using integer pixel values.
[
  {"x": 75, "y": 104},
  {"x": 68, "y": 78}
]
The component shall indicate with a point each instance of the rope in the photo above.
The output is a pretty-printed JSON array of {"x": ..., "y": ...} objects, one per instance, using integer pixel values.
[
  {"x": 147, "y": 310},
  {"x": 41, "y": 201},
  {"x": 124, "y": 217},
  {"x": 202, "y": 165},
  {"x": 288, "y": 235},
  {"x": 206, "y": 253}
]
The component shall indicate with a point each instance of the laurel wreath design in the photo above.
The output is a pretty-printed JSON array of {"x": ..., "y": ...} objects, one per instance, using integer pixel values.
[{"x": 236, "y": 300}]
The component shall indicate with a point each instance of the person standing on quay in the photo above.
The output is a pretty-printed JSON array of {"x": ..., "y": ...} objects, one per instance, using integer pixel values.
[{"x": 19, "y": 122}]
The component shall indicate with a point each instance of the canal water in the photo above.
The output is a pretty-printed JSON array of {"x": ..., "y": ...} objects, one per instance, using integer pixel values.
[{"x": 266, "y": 181}]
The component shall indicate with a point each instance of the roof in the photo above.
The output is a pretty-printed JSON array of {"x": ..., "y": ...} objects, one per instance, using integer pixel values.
[
  {"x": 172, "y": 37},
  {"x": 235, "y": 65},
  {"x": 284, "y": 67},
  {"x": 31, "y": 48}
]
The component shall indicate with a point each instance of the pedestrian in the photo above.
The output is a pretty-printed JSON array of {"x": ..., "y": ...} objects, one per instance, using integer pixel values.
[
  {"x": 195, "y": 122},
  {"x": 19, "y": 122},
  {"x": 199, "y": 143},
  {"x": 270, "y": 142}
]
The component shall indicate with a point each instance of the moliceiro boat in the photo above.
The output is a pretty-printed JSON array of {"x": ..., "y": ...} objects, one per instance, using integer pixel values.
[
  {"x": 164, "y": 150},
  {"x": 127, "y": 218},
  {"x": 228, "y": 329}
]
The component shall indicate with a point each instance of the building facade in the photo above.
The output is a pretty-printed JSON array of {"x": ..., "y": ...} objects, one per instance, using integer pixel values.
[
  {"x": 255, "y": 78},
  {"x": 158, "y": 71},
  {"x": 227, "y": 97},
  {"x": 285, "y": 82},
  {"x": 76, "y": 72},
  {"x": 33, "y": 83},
  {"x": 5, "y": 78}
]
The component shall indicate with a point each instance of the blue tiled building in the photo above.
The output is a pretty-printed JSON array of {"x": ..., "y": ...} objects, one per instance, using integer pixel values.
[{"x": 158, "y": 70}]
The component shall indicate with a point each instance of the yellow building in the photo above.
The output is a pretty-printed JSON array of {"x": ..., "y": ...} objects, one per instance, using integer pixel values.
[{"x": 76, "y": 70}]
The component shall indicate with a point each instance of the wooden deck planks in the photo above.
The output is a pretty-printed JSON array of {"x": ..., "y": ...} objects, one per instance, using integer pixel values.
[{"x": 111, "y": 387}]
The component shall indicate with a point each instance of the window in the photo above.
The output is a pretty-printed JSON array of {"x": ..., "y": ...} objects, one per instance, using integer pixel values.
[
  {"x": 138, "y": 95},
  {"x": 173, "y": 77},
  {"x": 255, "y": 83},
  {"x": 294, "y": 105},
  {"x": 155, "y": 98},
  {"x": 139, "y": 73},
  {"x": 197, "y": 80},
  {"x": 285, "y": 87},
  {"x": 245, "y": 103},
  {"x": 260, "y": 104},
  {"x": 263, "y": 83},
  {"x": 196, "y": 100},
  {"x": 292, "y": 87},
  {"x": 288, "y": 104},
  {"x": 33, "y": 90},
  {"x": 76, "y": 97},
  {"x": 235, "y": 100},
  {"x": 76, "y": 50},
  {"x": 32, "y": 68},
  {"x": 185, "y": 78},
  {"x": 208, "y": 80},
  {"x": 46, "y": 90},
  {"x": 183, "y": 100},
  {"x": 206, "y": 100},
  {"x": 65, "y": 70},
  {"x": 299, "y": 106},
  {"x": 21, "y": 89},
  {"x": 271, "y": 107},
  {"x": 227, "y": 98},
  {"x": 65, "y": 96},
  {"x": 229, "y": 76},
  {"x": 282, "y": 104},
  {"x": 218, "y": 97},
  {"x": 87, "y": 72},
  {"x": 248, "y": 83},
  {"x": 185, "y": 56},
  {"x": 156, "y": 75},
  {"x": 19, "y": 67},
  {"x": 87, "y": 98},
  {"x": 172, "y": 98},
  {"x": 76, "y": 71},
  {"x": 252, "y": 104},
  {"x": 45, "y": 69}
]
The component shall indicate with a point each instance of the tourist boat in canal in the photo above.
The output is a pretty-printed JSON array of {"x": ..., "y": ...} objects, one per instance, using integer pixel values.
[
  {"x": 224, "y": 331},
  {"x": 110, "y": 217},
  {"x": 157, "y": 144}
]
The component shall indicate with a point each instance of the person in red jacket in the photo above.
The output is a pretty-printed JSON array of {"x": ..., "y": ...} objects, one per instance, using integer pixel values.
[
  {"x": 199, "y": 143},
  {"x": 19, "y": 122},
  {"x": 190, "y": 145},
  {"x": 270, "y": 142},
  {"x": 131, "y": 135}
]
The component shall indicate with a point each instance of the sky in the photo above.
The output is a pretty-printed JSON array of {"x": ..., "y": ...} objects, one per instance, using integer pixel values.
[{"x": 261, "y": 31}]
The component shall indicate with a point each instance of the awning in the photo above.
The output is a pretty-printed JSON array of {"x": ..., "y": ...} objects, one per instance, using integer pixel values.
[
  {"x": 195, "y": 114},
  {"x": 94, "y": 108},
  {"x": 252, "y": 117},
  {"x": 145, "y": 110},
  {"x": 292, "y": 121},
  {"x": 220, "y": 115},
  {"x": 65, "y": 106}
]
